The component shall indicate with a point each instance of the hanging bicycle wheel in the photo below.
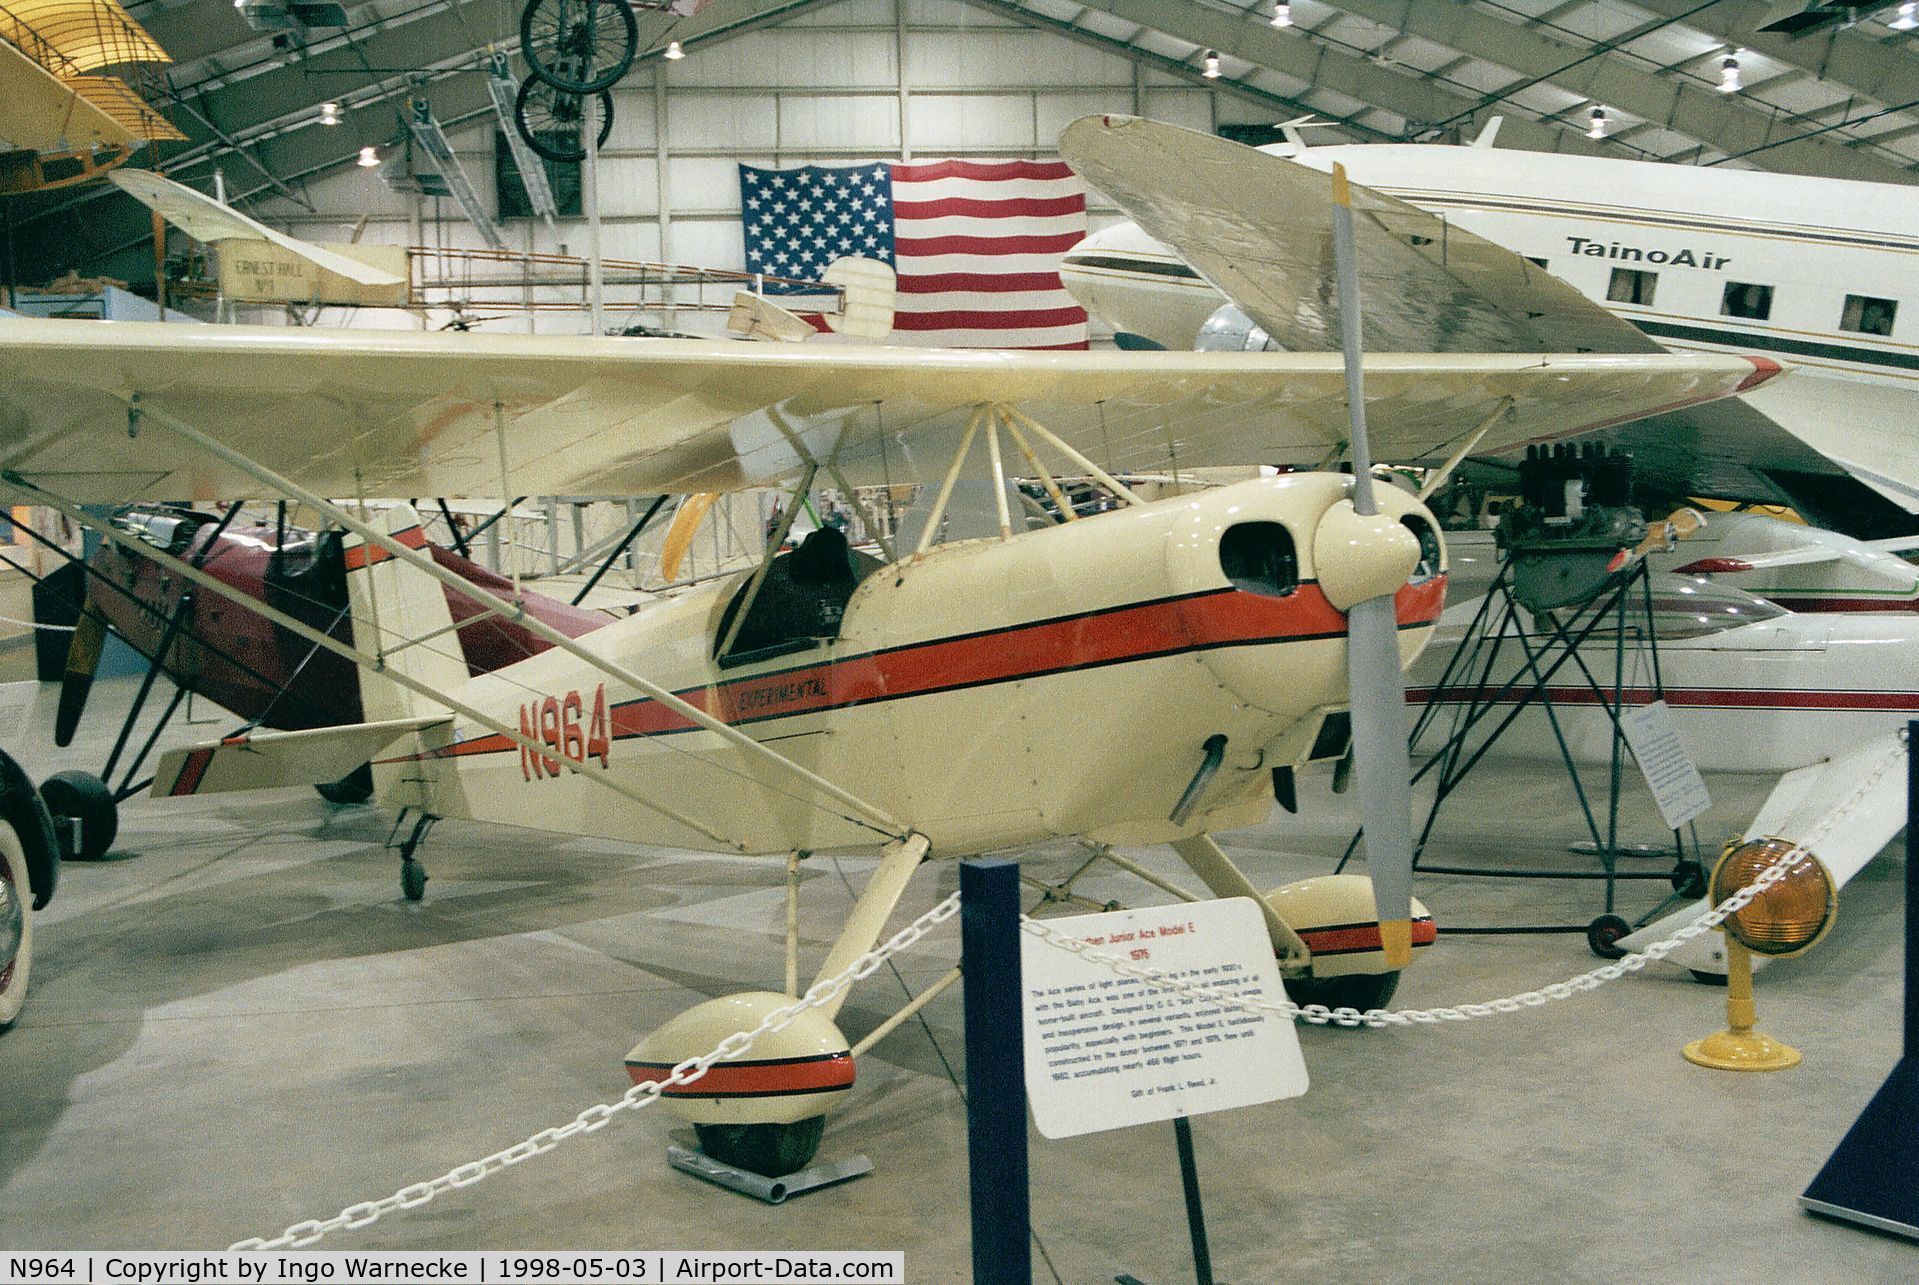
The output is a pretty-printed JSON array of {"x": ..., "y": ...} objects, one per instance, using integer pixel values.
[
  {"x": 581, "y": 46},
  {"x": 553, "y": 121}
]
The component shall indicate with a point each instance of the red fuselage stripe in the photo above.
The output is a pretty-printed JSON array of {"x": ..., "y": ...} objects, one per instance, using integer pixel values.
[
  {"x": 1141, "y": 631},
  {"x": 1345, "y": 939},
  {"x": 1700, "y": 698},
  {"x": 754, "y": 1079},
  {"x": 367, "y": 555}
]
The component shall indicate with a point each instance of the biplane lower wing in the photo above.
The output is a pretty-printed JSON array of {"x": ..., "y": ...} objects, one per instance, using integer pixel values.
[
  {"x": 274, "y": 760},
  {"x": 96, "y": 412}
]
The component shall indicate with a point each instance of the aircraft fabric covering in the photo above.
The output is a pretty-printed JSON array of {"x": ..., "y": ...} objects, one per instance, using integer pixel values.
[{"x": 411, "y": 413}]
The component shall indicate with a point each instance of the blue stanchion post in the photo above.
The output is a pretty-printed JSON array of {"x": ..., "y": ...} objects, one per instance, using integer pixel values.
[
  {"x": 1873, "y": 1176},
  {"x": 995, "y": 1072}
]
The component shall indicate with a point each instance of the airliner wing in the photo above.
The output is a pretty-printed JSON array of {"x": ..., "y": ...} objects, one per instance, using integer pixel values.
[
  {"x": 1258, "y": 228},
  {"x": 205, "y": 219},
  {"x": 85, "y": 407}
]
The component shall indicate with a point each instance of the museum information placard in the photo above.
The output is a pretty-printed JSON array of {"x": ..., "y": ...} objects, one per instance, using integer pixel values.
[{"x": 1105, "y": 1050}]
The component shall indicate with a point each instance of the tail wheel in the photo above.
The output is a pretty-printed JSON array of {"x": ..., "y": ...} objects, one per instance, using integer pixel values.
[
  {"x": 86, "y": 799},
  {"x": 1355, "y": 990},
  {"x": 16, "y": 926},
  {"x": 552, "y": 120},
  {"x": 770, "y": 1150},
  {"x": 581, "y": 46}
]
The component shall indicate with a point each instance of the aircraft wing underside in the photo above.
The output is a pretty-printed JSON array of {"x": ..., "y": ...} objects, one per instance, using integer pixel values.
[{"x": 85, "y": 408}]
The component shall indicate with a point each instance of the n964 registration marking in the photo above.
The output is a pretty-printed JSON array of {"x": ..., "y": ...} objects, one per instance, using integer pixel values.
[{"x": 561, "y": 724}]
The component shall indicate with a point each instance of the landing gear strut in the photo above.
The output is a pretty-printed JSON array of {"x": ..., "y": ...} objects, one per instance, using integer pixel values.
[{"x": 412, "y": 873}]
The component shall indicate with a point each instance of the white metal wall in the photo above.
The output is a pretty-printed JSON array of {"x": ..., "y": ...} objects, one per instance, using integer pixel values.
[{"x": 824, "y": 87}]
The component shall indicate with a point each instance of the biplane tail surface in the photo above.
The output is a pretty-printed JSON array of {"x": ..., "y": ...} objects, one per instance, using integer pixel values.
[{"x": 400, "y": 615}]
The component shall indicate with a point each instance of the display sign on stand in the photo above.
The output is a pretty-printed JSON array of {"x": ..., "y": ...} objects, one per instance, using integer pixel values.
[{"x": 1104, "y": 1050}]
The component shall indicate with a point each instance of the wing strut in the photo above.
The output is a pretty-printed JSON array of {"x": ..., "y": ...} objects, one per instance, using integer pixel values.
[{"x": 876, "y": 817}]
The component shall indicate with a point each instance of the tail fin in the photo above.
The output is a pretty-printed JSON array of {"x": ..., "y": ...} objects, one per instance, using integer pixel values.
[{"x": 394, "y": 605}]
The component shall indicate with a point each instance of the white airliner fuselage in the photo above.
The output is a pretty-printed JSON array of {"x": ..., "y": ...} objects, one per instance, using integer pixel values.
[{"x": 1823, "y": 273}]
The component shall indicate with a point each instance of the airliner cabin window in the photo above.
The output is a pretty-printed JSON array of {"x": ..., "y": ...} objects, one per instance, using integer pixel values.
[
  {"x": 1631, "y": 286},
  {"x": 1743, "y": 299},
  {"x": 1868, "y": 316}
]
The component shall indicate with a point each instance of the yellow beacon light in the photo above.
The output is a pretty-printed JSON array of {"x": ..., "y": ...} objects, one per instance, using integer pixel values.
[{"x": 1788, "y": 918}]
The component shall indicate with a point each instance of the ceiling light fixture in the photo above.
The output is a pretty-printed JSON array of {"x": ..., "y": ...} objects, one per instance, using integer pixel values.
[
  {"x": 329, "y": 113},
  {"x": 369, "y": 157},
  {"x": 1212, "y": 65},
  {"x": 1729, "y": 75},
  {"x": 673, "y": 51},
  {"x": 1908, "y": 17},
  {"x": 1597, "y": 126},
  {"x": 1282, "y": 14}
]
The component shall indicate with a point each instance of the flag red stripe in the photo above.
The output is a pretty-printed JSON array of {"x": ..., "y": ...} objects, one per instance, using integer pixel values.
[
  {"x": 1059, "y": 243},
  {"x": 941, "y": 282},
  {"x": 989, "y": 208},
  {"x": 926, "y": 172},
  {"x": 1008, "y": 320}
]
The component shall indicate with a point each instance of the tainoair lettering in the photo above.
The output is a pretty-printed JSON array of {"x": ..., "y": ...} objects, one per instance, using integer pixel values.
[
  {"x": 1636, "y": 254},
  {"x": 568, "y": 730}
]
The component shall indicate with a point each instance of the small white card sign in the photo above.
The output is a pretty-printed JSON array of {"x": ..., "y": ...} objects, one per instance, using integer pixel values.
[
  {"x": 1676, "y": 786},
  {"x": 1105, "y": 1050}
]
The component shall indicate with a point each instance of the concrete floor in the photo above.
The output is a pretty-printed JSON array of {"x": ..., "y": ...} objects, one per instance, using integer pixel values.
[{"x": 238, "y": 1023}]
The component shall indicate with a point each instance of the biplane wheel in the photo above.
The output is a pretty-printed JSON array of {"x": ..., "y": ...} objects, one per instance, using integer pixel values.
[
  {"x": 770, "y": 1150},
  {"x": 1603, "y": 935},
  {"x": 1354, "y": 990},
  {"x": 355, "y": 787},
  {"x": 86, "y": 799},
  {"x": 16, "y": 925},
  {"x": 412, "y": 879},
  {"x": 1689, "y": 879},
  {"x": 581, "y": 46},
  {"x": 549, "y": 120}
]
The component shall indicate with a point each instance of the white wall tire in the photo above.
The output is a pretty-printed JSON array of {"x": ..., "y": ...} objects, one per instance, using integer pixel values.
[{"x": 16, "y": 926}]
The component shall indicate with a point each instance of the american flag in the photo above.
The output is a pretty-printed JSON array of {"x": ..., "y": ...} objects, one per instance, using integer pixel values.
[{"x": 976, "y": 244}]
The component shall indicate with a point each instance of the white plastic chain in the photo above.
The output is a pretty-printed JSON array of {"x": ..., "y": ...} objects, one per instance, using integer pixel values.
[
  {"x": 1320, "y": 1015},
  {"x": 597, "y": 1117},
  {"x": 34, "y": 624}
]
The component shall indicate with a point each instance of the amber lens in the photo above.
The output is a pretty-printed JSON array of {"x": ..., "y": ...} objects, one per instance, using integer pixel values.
[{"x": 1787, "y": 917}]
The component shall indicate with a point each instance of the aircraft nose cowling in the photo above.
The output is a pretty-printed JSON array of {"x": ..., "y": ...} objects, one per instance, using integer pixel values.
[{"x": 1360, "y": 557}]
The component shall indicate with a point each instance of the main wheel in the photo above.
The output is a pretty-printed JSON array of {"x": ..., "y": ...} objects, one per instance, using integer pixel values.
[
  {"x": 581, "y": 46},
  {"x": 355, "y": 787},
  {"x": 85, "y": 798},
  {"x": 770, "y": 1150},
  {"x": 1355, "y": 990},
  {"x": 550, "y": 120},
  {"x": 412, "y": 879},
  {"x": 1603, "y": 935},
  {"x": 16, "y": 926}
]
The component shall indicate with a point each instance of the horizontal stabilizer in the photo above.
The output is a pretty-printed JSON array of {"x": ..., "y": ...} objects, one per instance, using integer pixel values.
[
  {"x": 1822, "y": 806},
  {"x": 274, "y": 760}
]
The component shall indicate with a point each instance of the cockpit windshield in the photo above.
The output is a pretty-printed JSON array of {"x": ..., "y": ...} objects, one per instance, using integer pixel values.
[{"x": 1695, "y": 607}]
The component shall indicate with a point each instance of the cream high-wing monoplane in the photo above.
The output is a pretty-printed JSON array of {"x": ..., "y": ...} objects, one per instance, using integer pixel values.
[{"x": 1146, "y": 675}]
